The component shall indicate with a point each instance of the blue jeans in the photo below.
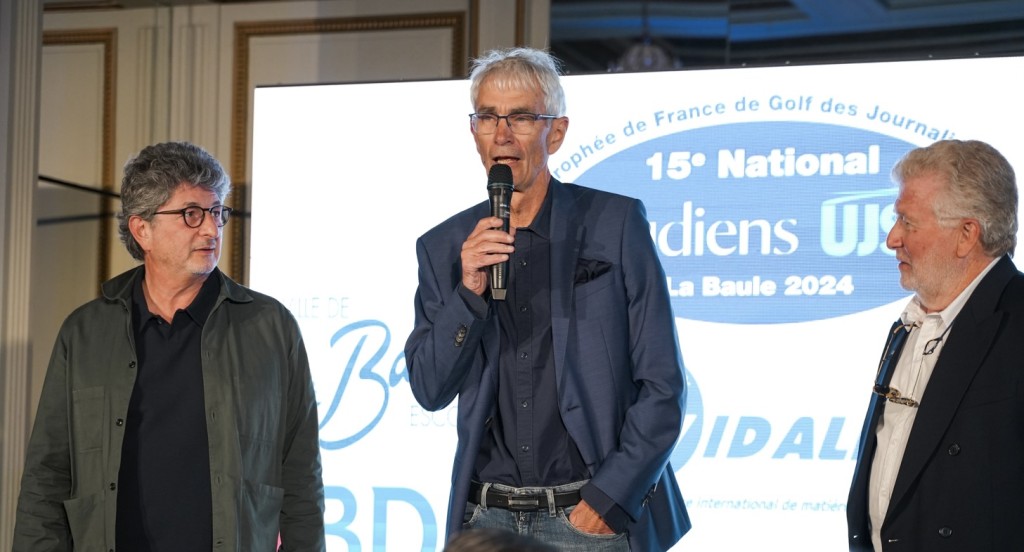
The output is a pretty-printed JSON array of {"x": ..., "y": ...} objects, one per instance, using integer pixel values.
[{"x": 552, "y": 527}]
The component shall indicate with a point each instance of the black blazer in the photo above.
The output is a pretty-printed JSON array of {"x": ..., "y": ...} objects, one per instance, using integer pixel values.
[{"x": 961, "y": 484}]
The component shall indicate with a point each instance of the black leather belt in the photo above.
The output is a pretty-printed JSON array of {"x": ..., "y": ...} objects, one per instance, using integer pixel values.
[{"x": 521, "y": 502}]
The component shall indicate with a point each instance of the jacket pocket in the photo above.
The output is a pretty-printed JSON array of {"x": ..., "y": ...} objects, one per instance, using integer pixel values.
[
  {"x": 989, "y": 395},
  {"x": 87, "y": 418},
  {"x": 259, "y": 516},
  {"x": 85, "y": 520},
  {"x": 590, "y": 287}
]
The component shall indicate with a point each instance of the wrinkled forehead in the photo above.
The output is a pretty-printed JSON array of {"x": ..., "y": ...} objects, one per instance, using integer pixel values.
[
  {"x": 506, "y": 81},
  {"x": 512, "y": 84},
  {"x": 921, "y": 191},
  {"x": 187, "y": 193}
]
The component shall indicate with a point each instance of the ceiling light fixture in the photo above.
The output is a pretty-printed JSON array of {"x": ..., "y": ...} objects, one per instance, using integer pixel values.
[{"x": 644, "y": 55}]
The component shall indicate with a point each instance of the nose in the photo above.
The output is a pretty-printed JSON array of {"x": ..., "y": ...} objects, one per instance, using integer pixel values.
[
  {"x": 209, "y": 225},
  {"x": 503, "y": 133},
  {"x": 894, "y": 240}
]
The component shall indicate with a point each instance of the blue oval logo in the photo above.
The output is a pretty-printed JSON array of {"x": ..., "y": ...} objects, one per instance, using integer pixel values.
[{"x": 766, "y": 222}]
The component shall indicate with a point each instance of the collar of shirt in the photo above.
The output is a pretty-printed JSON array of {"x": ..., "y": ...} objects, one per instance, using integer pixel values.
[
  {"x": 198, "y": 311},
  {"x": 541, "y": 224},
  {"x": 914, "y": 315}
]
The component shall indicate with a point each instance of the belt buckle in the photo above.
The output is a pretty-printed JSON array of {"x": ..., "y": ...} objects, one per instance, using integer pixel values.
[{"x": 519, "y": 503}]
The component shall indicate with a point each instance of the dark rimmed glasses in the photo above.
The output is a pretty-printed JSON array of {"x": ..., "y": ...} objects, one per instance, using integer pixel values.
[
  {"x": 893, "y": 395},
  {"x": 893, "y": 345},
  {"x": 519, "y": 123},
  {"x": 195, "y": 215}
]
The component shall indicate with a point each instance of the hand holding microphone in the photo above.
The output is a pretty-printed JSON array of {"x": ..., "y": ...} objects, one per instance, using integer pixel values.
[{"x": 499, "y": 190}]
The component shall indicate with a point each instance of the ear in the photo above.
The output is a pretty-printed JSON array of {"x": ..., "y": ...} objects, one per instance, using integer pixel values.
[
  {"x": 142, "y": 231},
  {"x": 556, "y": 135},
  {"x": 968, "y": 237}
]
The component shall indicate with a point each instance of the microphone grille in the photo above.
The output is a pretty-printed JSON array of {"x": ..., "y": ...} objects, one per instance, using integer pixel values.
[{"x": 499, "y": 174}]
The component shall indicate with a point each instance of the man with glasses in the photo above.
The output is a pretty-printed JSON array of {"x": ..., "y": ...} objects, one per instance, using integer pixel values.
[
  {"x": 570, "y": 388},
  {"x": 177, "y": 411},
  {"x": 941, "y": 454}
]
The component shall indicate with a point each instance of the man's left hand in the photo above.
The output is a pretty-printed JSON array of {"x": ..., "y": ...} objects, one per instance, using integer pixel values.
[{"x": 587, "y": 520}]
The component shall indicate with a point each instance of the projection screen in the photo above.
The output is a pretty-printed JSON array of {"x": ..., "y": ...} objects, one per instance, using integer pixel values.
[{"x": 769, "y": 198}]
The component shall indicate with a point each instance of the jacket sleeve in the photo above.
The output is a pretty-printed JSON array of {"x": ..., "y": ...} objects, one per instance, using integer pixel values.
[
  {"x": 446, "y": 336},
  {"x": 302, "y": 512},
  {"x": 41, "y": 524},
  {"x": 652, "y": 423}
]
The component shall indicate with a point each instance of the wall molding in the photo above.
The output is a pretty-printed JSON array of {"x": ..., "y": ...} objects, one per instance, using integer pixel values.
[
  {"x": 245, "y": 32},
  {"x": 107, "y": 39}
]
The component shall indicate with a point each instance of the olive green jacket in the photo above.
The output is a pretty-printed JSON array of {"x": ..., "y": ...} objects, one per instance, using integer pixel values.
[{"x": 261, "y": 420}]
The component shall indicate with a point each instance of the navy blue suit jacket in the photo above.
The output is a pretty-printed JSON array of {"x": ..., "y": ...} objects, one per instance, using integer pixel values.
[
  {"x": 961, "y": 484},
  {"x": 617, "y": 363}
]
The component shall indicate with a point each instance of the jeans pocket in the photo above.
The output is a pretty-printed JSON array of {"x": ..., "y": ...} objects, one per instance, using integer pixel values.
[
  {"x": 470, "y": 515},
  {"x": 563, "y": 516}
]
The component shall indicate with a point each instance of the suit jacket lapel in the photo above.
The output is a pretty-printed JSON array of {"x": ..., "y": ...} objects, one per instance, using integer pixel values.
[
  {"x": 968, "y": 342},
  {"x": 890, "y": 356},
  {"x": 567, "y": 234},
  {"x": 894, "y": 341}
]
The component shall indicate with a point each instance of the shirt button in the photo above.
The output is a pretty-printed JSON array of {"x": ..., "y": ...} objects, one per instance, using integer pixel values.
[
  {"x": 954, "y": 449},
  {"x": 131, "y": 364},
  {"x": 525, "y": 448},
  {"x": 525, "y": 404},
  {"x": 522, "y": 308},
  {"x": 945, "y": 532},
  {"x": 524, "y": 355},
  {"x": 522, "y": 263},
  {"x": 113, "y": 486},
  {"x": 119, "y": 422}
]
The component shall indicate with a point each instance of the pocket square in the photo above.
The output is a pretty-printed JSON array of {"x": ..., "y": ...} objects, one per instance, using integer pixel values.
[{"x": 588, "y": 269}]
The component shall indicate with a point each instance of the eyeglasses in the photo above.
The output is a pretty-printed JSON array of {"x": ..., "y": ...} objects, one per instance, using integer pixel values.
[
  {"x": 519, "y": 123},
  {"x": 893, "y": 395},
  {"x": 892, "y": 346},
  {"x": 932, "y": 344},
  {"x": 195, "y": 215}
]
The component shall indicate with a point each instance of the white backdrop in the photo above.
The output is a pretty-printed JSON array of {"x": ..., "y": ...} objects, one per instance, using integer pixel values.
[{"x": 769, "y": 197}]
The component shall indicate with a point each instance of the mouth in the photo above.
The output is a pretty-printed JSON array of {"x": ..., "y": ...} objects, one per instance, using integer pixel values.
[{"x": 504, "y": 160}]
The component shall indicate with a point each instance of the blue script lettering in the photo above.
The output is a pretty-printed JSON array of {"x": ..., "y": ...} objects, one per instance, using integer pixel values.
[{"x": 366, "y": 373}]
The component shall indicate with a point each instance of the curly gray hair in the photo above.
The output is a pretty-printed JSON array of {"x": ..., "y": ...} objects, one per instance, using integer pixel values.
[
  {"x": 980, "y": 184},
  {"x": 152, "y": 176}
]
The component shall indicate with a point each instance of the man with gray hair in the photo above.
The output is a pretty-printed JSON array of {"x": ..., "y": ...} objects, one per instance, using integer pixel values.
[
  {"x": 942, "y": 449},
  {"x": 177, "y": 411},
  {"x": 569, "y": 381}
]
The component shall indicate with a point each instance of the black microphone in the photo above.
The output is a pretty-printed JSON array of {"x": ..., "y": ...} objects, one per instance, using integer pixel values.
[{"x": 499, "y": 189}]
